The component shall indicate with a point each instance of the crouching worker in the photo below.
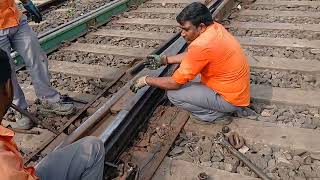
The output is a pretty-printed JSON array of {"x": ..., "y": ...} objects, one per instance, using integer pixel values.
[
  {"x": 213, "y": 78},
  {"x": 82, "y": 160}
]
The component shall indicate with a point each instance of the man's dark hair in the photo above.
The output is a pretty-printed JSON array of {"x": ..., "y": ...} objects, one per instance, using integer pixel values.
[
  {"x": 196, "y": 13},
  {"x": 5, "y": 69}
]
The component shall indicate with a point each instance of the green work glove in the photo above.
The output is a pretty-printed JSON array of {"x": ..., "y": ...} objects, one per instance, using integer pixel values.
[
  {"x": 138, "y": 84},
  {"x": 155, "y": 61},
  {"x": 34, "y": 11}
]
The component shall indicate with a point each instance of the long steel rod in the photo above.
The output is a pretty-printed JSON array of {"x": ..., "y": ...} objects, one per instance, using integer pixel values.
[{"x": 244, "y": 159}]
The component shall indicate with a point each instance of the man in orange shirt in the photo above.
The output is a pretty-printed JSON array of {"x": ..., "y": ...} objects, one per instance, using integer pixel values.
[
  {"x": 215, "y": 57},
  {"x": 82, "y": 160},
  {"x": 16, "y": 34}
]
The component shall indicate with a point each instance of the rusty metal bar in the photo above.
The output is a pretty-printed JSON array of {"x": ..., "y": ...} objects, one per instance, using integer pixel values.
[{"x": 221, "y": 140}]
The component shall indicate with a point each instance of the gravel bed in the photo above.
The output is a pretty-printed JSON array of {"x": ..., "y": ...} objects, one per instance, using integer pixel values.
[
  {"x": 289, "y": 52},
  {"x": 121, "y": 41},
  {"x": 77, "y": 84},
  {"x": 284, "y": 79},
  {"x": 300, "y": 34},
  {"x": 53, "y": 17},
  {"x": 278, "y": 163},
  {"x": 278, "y": 19},
  {"x": 163, "y": 5},
  {"x": 92, "y": 58},
  {"x": 57, "y": 121},
  {"x": 288, "y": 7},
  {"x": 69, "y": 83},
  {"x": 149, "y": 28},
  {"x": 149, "y": 15},
  {"x": 289, "y": 116}
]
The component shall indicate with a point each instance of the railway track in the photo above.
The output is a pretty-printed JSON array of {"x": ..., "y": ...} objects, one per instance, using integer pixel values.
[
  {"x": 281, "y": 39},
  {"x": 93, "y": 69}
]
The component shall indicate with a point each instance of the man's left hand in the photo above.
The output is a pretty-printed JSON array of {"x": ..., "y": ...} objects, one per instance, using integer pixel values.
[
  {"x": 34, "y": 11},
  {"x": 138, "y": 84}
]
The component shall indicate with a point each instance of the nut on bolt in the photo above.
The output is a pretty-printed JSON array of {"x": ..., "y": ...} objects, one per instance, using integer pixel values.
[
  {"x": 203, "y": 176},
  {"x": 225, "y": 129}
]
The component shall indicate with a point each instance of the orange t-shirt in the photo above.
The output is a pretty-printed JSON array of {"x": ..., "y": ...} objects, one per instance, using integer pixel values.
[
  {"x": 9, "y": 14},
  {"x": 11, "y": 163},
  {"x": 220, "y": 60}
]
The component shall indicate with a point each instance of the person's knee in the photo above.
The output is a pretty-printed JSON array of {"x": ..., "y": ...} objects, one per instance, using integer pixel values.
[
  {"x": 92, "y": 144},
  {"x": 173, "y": 96},
  {"x": 92, "y": 141}
]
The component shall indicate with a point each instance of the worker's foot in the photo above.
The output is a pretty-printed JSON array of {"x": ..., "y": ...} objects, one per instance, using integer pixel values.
[
  {"x": 60, "y": 108},
  {"x": 22, "y": 122},
  {"x": 197, "y": 120},
  {"x": 246, "y": 112},
  {"x": 225, "y": 120}
]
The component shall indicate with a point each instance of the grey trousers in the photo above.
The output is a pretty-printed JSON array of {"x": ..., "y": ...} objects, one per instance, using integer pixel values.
[
  {"x": 22, "y": 39},
  {"x": 201, "y": 101},
  {"x": 82, "y": 160}
]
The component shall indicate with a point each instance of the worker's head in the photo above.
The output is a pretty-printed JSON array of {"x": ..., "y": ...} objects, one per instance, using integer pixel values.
[
  {"x": 6, "y": 90},
  {"x": 193, "y": 20}
]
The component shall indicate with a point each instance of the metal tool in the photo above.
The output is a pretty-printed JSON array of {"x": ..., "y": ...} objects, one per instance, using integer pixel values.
[
  {"x": 33, "y": 118},
  {"x": 203, "y": 176},
  {"x": 225, "y": 129},
  {"x": 221, "y": 139},
  {"x": 111, "y": 164},
  {"x": 116, "y": 170},
  {"x": 24, "y": 131},
  {"x": 235, "y": 140},
  {"x": 124, "y": 171},
  {"x": 130, "y": 172}
]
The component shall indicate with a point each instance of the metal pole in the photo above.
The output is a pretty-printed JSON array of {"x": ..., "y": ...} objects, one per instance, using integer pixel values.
[{"x": 243, "y": 158}]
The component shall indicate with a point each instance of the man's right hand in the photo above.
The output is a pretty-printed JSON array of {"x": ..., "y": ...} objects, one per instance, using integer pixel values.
[
  {"x": 155, "y": 61},
  {"x": 33, "y": 10}
]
